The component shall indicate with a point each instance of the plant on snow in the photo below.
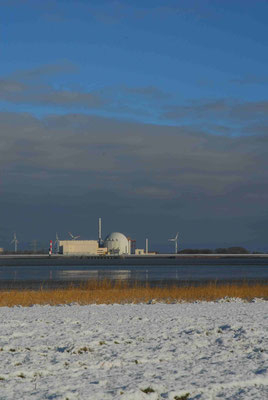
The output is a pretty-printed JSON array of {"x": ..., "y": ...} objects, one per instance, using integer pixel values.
[
  {"x": 148, "y": 390},
  {"x": 183, "y": 397}
]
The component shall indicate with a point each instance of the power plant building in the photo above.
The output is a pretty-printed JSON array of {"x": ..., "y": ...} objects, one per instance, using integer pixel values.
[
  {"x": 117, "y": 243},
  {"x": 81, "y": 247}
]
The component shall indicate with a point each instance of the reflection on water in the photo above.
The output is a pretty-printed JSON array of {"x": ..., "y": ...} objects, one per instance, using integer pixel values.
[
  {"x": 77, "y": 274},
  {"x": 94, "y": 274},
  {"x": 61, "y": 276}
]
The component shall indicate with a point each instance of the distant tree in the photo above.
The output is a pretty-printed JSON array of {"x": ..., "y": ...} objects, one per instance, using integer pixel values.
[
  {"x": 237, "y": 250},
  {"x": 196, "y": 251},
  {"x": 206, "y": 251},
  {"x": 221, "y": 250},
  {"x": 232, "y": 250}
]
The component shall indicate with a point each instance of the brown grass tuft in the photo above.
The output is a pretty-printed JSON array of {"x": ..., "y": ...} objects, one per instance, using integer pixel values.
[{"x": 107, "y": 292}]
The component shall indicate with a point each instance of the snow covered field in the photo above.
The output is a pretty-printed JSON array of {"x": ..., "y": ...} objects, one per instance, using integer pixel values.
[{"x": 209, "y": 350}]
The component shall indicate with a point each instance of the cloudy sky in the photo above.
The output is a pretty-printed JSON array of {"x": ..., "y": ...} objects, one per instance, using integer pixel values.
[{"x": 151, "y": 114}]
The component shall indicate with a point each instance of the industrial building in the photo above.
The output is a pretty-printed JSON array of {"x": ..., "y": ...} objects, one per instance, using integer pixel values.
[
  {"x": 139, "y": 252},
  {"x": 81, "y": 247},
  {"x": 117, "y": 243}
]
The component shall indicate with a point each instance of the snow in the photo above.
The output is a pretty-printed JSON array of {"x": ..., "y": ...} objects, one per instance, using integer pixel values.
[{"x": 209, "y": 350}]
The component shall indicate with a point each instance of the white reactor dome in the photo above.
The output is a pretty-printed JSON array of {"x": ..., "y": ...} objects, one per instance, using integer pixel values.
[{"x": 117, "y": 243}]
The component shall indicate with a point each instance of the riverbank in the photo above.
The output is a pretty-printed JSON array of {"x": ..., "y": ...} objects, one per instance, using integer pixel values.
[
  {"x": 156, "y": 259},
  {"x": 108, "y": 292}
]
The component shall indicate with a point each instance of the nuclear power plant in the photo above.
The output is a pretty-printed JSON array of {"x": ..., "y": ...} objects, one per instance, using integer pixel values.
[{"x": 115, "y": 243}]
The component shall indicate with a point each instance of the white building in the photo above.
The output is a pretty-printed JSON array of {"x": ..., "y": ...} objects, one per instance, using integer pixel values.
[
  {"x": 80, "y": 247},
  {"x": 139, "y": 252},
  {"x": 117, "y": 243}
]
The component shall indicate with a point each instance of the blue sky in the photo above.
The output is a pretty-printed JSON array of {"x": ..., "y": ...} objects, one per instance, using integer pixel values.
[
  {"x": 189, "y": 50},
  {"x": 147, "y": 76}
]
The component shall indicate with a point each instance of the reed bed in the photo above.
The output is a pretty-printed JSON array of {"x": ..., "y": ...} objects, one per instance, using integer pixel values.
[{"x": 107, "y": 292}]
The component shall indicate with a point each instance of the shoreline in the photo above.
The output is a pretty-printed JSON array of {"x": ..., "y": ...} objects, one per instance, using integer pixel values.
[
  {"x": 108, "y": 292},
  {"x": 57, "y": 284},
  {"x": 158, "y": 259}
]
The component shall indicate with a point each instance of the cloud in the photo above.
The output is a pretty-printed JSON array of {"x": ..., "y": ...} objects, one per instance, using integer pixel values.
[
  {"x": 9, "y": 88},
  {"x": 138, "y": 176},
  {"x": 64, "y": 67},
  {"x": 116, "y": 11},
  {"x": 111, "y": 12},
  {"x": 250, "y": 80},
  {"x": 27, "y": 87},
  {"x": 147, "y": 92},
  {"x": 221, "y": 116},
  {"x": 196, "y": 109},
  {"x": 251, "y": 110},
  {"x": 20, "y": 93},
  {"x": 127, "y": 156},
  {"x": 219, "y": 110}
]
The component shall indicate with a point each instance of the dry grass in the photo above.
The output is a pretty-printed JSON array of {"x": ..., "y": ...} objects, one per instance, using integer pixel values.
[{"x": 106, "y": 292}]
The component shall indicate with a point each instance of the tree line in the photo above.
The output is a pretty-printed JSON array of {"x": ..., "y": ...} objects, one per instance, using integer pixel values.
[{"x": 220, "y": 250}]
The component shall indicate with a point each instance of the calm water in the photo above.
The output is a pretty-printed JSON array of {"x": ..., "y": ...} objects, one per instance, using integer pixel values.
[{"x": 32, "y": 276}]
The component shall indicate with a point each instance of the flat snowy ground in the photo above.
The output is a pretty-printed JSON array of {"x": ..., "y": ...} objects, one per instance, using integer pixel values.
[{"x": 209, "y": 350}]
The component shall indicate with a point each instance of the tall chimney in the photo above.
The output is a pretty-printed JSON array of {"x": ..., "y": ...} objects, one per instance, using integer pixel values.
[
  {"x": 100, "y": 240},
  {"x": 146, "y": 246}
]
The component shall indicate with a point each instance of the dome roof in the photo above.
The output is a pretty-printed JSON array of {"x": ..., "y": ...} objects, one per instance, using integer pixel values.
[{"x": 117, "y": 243}]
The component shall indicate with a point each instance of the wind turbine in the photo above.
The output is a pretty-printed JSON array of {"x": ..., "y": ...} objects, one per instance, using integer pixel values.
[
  {"x": 73, "y": 237},
  {"x": 15, "y": 241},
  {"x": 175, "y": 240}
]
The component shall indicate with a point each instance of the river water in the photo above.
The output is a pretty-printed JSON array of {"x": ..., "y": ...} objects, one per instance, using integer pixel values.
[{"x": 64, "y": 275}]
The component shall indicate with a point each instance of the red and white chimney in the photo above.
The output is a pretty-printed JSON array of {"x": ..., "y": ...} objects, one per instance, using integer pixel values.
[{"x": 50, "y": 247}]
